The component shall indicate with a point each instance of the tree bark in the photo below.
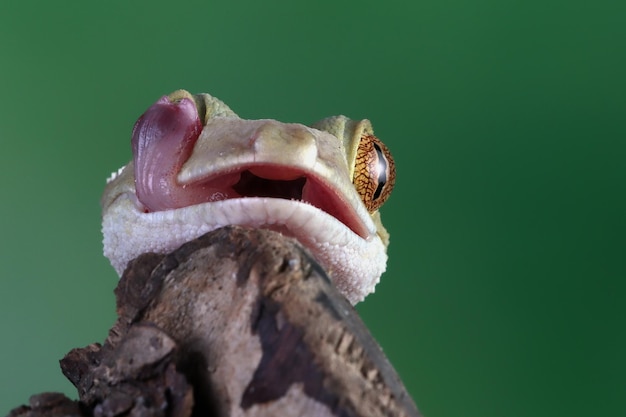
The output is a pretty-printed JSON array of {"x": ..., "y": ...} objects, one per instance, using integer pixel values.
[{"x": 238, "y": 322}]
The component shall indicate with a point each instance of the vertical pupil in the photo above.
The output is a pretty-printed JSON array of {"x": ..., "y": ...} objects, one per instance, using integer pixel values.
[{"x": 382, "y": 171}]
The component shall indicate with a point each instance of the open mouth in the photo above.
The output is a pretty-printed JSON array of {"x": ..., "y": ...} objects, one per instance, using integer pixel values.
[
  {"x": 163, "y": 140},
  {"x": 279, "y": 182},
  {"x": 251, "y": 185}
]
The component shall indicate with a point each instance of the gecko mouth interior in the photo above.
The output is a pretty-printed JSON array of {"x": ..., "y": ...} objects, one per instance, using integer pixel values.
[{"x": 250, "y": 185}]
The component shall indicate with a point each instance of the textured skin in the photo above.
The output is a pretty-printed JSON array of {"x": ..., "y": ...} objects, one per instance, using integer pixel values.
[{"x": 326, "y": 151}]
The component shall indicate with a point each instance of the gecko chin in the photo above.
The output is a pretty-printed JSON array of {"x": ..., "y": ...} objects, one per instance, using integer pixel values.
[{"x": 355, "y": 264}]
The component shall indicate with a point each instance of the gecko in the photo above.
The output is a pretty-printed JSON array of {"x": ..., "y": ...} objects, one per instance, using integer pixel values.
[{"x": 197, "y": 166}]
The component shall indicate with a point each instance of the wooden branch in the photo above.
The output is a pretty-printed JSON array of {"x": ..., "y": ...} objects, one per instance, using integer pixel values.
[{"x": 238, "y": 322}]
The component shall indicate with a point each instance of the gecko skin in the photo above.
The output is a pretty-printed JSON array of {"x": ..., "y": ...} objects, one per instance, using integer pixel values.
[{"x": 197, "y": 167}]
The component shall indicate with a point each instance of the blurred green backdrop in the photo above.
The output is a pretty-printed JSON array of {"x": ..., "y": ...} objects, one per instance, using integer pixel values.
[{"x": 504, "y": 294}]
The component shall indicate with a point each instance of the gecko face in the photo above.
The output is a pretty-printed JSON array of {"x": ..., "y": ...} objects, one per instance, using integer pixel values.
[{"x": 197, "y": 166}]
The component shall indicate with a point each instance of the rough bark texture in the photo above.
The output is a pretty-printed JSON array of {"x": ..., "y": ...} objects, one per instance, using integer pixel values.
[{"x": 238, "y": 322}]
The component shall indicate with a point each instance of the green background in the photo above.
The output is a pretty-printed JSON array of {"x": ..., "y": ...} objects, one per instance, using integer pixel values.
[{"x": 504, "y": 294}]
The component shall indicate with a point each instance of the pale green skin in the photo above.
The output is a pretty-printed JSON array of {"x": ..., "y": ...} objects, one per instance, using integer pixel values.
[{"x": 327, "y": 150}]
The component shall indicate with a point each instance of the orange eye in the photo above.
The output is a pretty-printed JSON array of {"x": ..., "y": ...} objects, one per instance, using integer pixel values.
[{"x": 374, "y": 172}]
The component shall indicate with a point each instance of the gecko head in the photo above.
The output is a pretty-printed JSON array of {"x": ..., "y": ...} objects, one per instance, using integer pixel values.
[{"x": 197, "y": 166}]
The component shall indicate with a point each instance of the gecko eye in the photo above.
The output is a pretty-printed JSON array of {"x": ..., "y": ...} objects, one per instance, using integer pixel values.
[{"x": 374, "y": 172}]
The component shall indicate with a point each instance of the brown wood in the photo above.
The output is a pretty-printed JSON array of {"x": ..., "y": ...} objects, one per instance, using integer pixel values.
[{"x": 238, "y": 322}]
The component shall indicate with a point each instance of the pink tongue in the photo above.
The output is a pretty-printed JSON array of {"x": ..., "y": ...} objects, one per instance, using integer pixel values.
[{"x": 162, "y": 141}]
